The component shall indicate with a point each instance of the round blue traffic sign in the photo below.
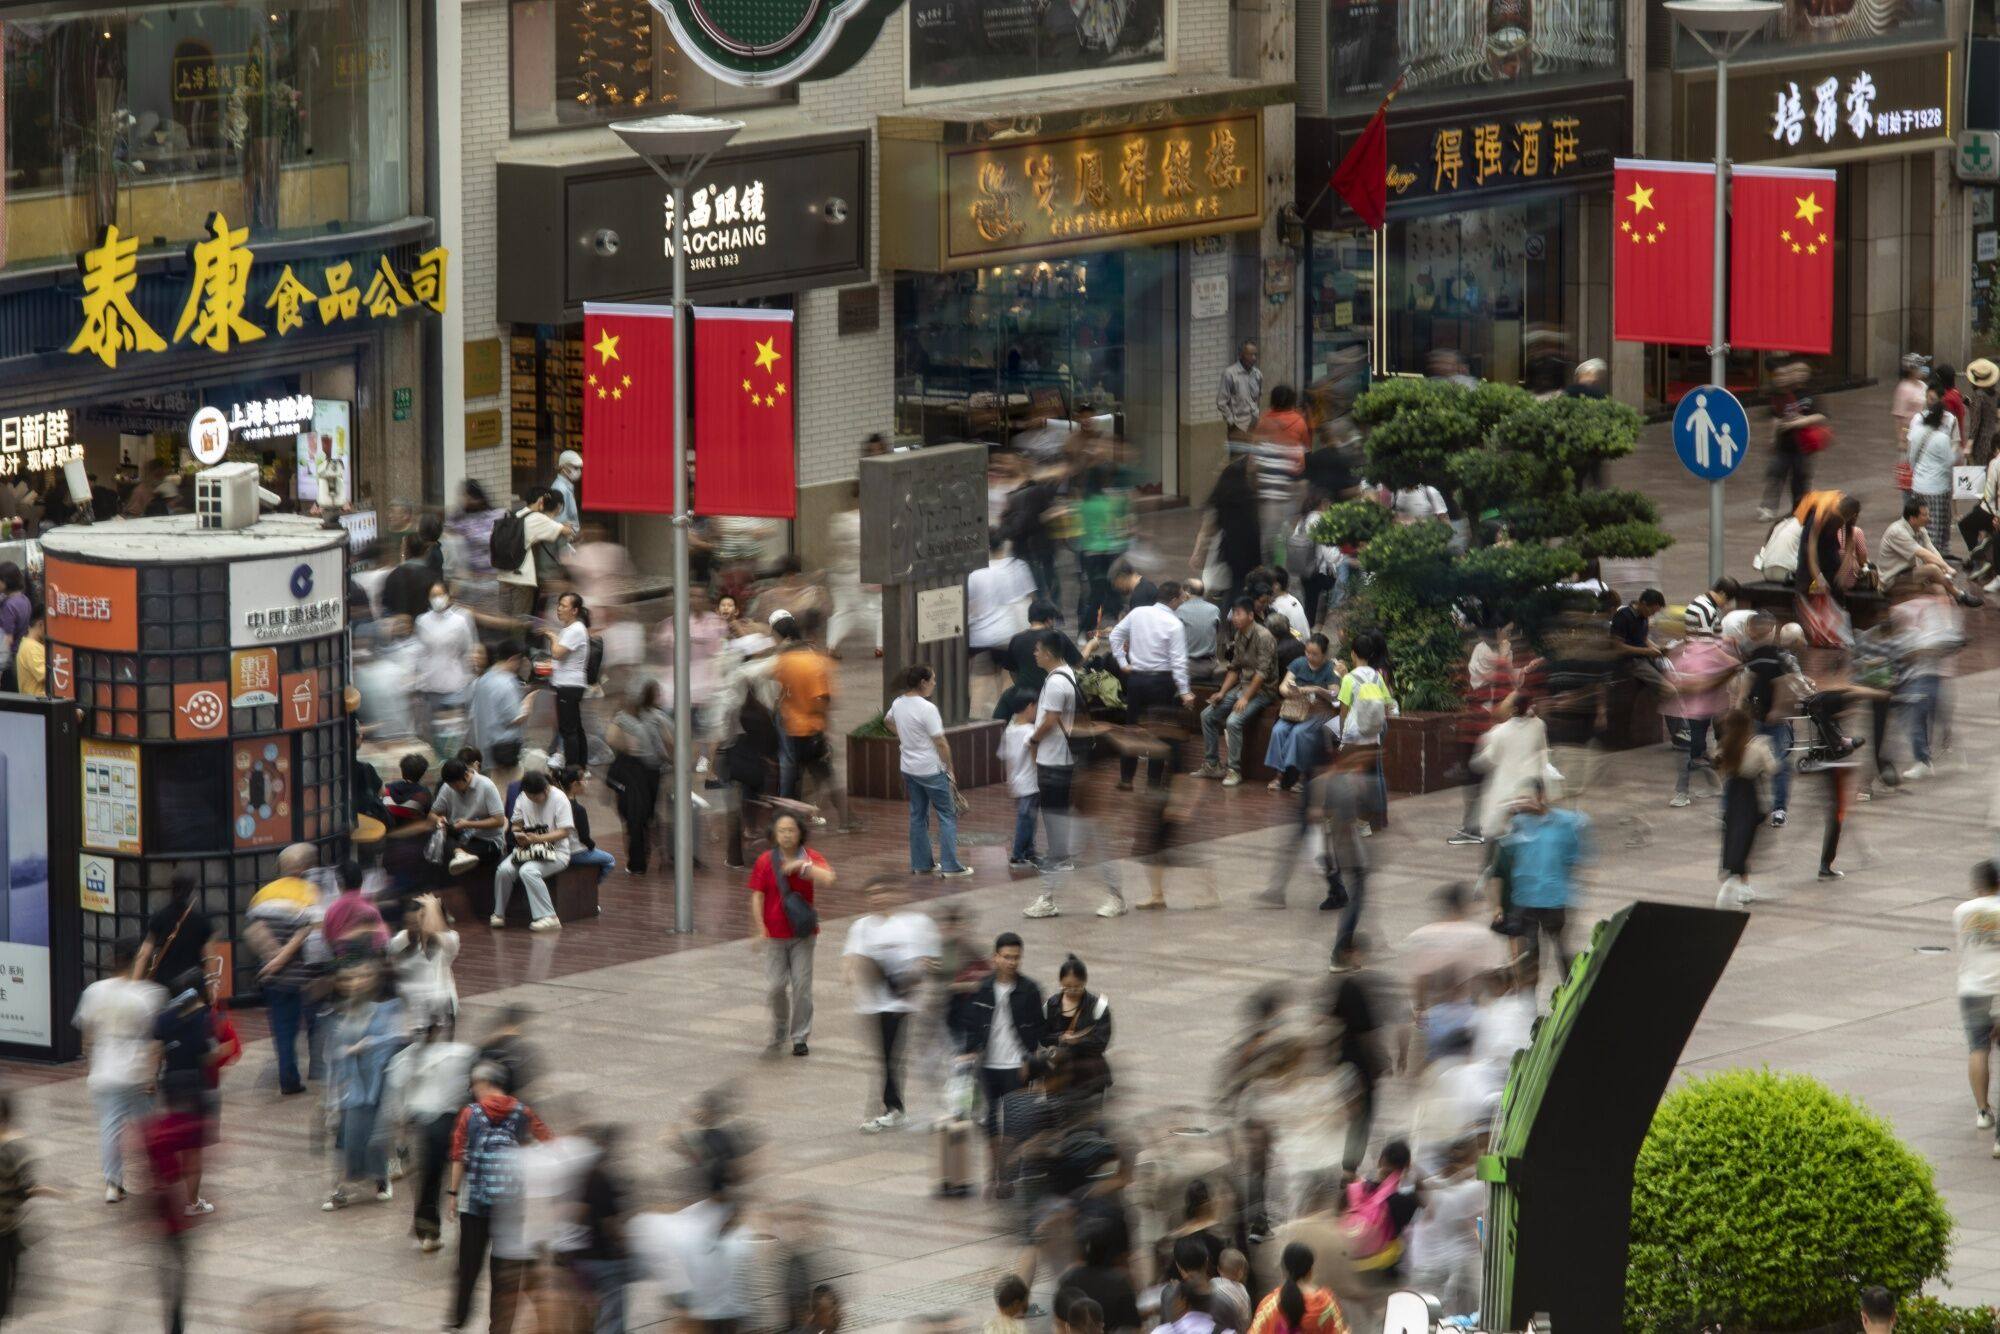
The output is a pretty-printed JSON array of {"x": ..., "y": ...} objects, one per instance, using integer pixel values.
[{"x": 1711, "y": 432}]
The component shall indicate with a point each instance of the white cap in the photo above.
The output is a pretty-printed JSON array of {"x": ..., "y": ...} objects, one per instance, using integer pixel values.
[{"x": 569, "y": 458}]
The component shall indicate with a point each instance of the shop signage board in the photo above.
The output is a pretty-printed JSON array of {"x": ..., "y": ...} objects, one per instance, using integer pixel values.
[
  {"x": 940, "y": 614},
  {"x": 92, "y": 606},
  {"x": 1711, "y": 432},
  {"x": 300, "y": 694},
  {"x": 765, "y": 218},
  {"x": 484, "y": 430},
  {"x": 1978, "y": 155},
  {"x": 36, "y": 442},
  {"x": 325, "y": 451},
  {"x": 222, "y": 311},
  {"x": 95, "y": 879},
  {"x": 482, "y": 367},
  {"x": 262, "y": 418},
  {"x": 400, "y": 403},
  {"x": 111, "y": 797},
  {"x": 1465, "y": 49},
  {"x": 253, "y": 678},
  {"x": 1499, "y": 147},
  {"x": 41, "y": 922},
  {"x": 287, "y": 597},
  {"x": 1832, "y": 108},
  {"x": 762, "y": 43},
  {"x": 1103, "y": 189}
]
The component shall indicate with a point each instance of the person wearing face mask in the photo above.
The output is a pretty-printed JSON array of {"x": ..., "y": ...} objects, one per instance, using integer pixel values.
[
  {"x": 568, "y": 485},
  {"x": 447, "y": 636}
]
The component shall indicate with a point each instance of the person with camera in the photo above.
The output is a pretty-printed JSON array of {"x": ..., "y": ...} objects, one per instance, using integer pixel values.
[
  {"x": 782, "y": 884},
  {"x": 544, "y": 841},
  {"x": 888, "y": 953}
]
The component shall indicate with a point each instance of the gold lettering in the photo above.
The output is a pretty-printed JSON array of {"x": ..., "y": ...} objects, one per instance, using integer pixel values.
[
  {"x": 1448, "y": 153},
  {"x": 1528, "y": 147},
  {"x": 1177, "y": 168},
  {"x": 1485, "y": 153},
  {"x": 1563, "y": 142}
]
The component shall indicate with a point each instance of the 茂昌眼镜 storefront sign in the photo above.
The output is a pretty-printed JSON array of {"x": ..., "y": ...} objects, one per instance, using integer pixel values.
[
  {"x": 222, "y": 309},
  {"x": 1498, "y": 147},
  {"x": 1098, "y": 188},
  {"x": 1828, "y": 109}
]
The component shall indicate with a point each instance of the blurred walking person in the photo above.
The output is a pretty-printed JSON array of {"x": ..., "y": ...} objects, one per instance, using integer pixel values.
[
  {"x": 641, "y": 738},
  {"x": 786, "y": 922},
  {"x": 17, "y": 1187},
  {"x": 857, "y": 607},
  {"x": 928, "y": 779},
  {"x": 488, "y": 1132},
  {"x": 1743, "y": 756},
  {"x": 173, "y": 1137},
  {"x": 367, "y": 1030},
  {"x": 805, "y": 699},
  {"x": 116, "y": 1015},
  {"x": 890, "y": 951},
  {"x": 429, "y": 1082}
]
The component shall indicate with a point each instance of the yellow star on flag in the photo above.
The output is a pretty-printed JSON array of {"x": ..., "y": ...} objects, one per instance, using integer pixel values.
[
  {"x": 1822, "y": 238},
  {"x": 617, "y": 392},
  {"x": 1640, "y": 199},
  {"x": 1784, "y": 236},
  {"x": 767, "y": 354},
  {"x": 1812, "y": 249},
  {"x": 1627, "y": 224},
  {"x": 591, "y": 380},
  {"x": 628, "y": 381},
  {"x": 781, "y": 391},
  {"x": 1795, "y": 247},
  {"x": 746, "y": 385},
  {"x": 1809, "y": 208},
  {"x": 607, "y": 347},
  {"x": 600, "y": 391}
]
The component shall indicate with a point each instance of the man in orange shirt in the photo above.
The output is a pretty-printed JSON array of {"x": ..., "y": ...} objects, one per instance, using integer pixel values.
[{"x": 805, "y": 697}]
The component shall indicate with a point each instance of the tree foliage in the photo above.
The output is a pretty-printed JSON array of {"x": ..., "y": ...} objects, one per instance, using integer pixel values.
[{"x": 1766, "y": 1201}]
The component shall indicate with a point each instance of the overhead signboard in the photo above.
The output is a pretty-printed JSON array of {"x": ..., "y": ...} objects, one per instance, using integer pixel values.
[
  {"x": 286, "y": 597},
  {"x": 760, "y": 43},
  {"x": 1830, "y": 108},
  {"x": 92, "y": 606}
]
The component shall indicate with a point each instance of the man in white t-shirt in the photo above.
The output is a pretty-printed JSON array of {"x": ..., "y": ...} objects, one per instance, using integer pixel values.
[
  {"x": 887, "y": 956},
  {"x": 544, "y": 840},
  {"x": 116, "y": 1016},
  {"x": 1976, "y": 933},
  {"x": 996, "y": 600},
  {"x": 927, "y": 774}
]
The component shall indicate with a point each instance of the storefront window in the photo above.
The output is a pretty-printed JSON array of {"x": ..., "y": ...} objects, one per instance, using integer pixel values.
[
  {"x": 289, "y": 116},
  {"x": 989, "y": 354},
  {"x": 1459, "y": 48},
  {"x": 585, "y": 62},
  {"x": 955, "y": 43},
  {"x": 1487, "y": 283},
  {"x": 1805, "y": 26}
]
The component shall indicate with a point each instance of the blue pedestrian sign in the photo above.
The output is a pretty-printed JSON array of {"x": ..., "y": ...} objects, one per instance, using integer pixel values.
[{"x": 1711, "y": 432}]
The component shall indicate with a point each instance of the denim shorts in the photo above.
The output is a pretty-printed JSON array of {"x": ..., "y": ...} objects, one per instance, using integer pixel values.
[{"x": 1976, "y": 1013}]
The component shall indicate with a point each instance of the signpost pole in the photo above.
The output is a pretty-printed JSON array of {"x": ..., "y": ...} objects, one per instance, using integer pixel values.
[{"x": 1718, "y": 350}]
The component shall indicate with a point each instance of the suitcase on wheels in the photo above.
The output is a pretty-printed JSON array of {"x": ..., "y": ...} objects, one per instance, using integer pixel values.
[{"x": 954, "y": 1139}]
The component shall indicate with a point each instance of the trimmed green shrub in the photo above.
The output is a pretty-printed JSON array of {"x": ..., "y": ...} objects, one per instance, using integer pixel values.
[
  {"x": 1350, "y": 523},
  {"x": 1516, "y": 582},
  {"x": 1415, "y": 427},
  {"x": 1928, "y": 1315},
  {"x": 1766, "y": 1201},
  {"x": 1601, "y": 509},
  {"x": 1633, "y": 540}
]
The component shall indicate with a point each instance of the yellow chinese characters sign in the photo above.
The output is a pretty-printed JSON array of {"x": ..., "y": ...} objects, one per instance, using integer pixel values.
[
  {"x": 1098, "y": 188},
  {"x": 224, "y": 293}
]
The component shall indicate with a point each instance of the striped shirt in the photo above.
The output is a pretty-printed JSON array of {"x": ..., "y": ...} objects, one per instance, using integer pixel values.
[{"x": 1703, "y": 618}]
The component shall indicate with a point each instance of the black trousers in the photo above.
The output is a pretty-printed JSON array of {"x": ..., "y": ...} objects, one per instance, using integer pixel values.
[
  {"x": 1553, "y": 923},
  {"x": 569, "y": 725},
  {"x": 890, "y": 1030},
  {"x": 174, "y": 1281},
  {"x": 1147, "y": 694},
  {"x": 996, "y": 1082},
  {"x": 475, "y": 1241},
  {"x": 436, "y": 1148},
  {"x": 1054, "y": 781}
]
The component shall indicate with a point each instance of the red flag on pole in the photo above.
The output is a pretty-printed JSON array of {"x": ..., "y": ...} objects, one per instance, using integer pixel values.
[
  {"x": 744, "y": 378},
  {"x": 628, "y": 408},
  {"x": 1362, "y": 178},
  {"x": 1663, "y": 252},
  {"x": 1781, "y": 259}
]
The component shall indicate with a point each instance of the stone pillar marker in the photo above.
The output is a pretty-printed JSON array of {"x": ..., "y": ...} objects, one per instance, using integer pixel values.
[{"x": 923, "y": 529}]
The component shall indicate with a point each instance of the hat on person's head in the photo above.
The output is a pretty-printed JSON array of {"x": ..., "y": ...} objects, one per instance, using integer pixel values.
[
  {"x": 569, "y": 458},
  {"x": 1983, "y": 374}
]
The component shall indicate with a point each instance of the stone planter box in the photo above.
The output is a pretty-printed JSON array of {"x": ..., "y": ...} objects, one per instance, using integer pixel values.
[
  {"x": 1630, "y": 575},
  {"x": 1422, "y": 752},
  {"x": 875, "y": 769}
]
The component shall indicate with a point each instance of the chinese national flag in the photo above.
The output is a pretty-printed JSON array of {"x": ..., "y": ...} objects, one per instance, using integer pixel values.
[
  {"x": 744, "y": 382},
  {"x": 1663, "y": 252},
  {"x": 628, "y": 408},
  {"x": 1781, "y": 259}
]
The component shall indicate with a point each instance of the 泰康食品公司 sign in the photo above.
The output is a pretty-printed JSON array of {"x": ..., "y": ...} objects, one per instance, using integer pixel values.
[{"x": 287, "y": 597}]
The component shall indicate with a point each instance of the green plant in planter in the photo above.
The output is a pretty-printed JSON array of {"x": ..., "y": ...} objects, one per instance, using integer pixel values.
[
  {"x": 1350, "y": 523},
  {"x": 1600, "y": 509},
  {"x": 1516, "y": 582},
  {"x": 1632, "y": 540},
  {"x": 1572, "y": 432},
  {"x": 1928, "y": 1315},
  {"x": 1493, "y": 479},
  {"x": 1409, "y": 598},
  {"x": 1414, "y": 429},
  {"x": 1765, "y": 1202},
  {"x": 874, "y": 729}
]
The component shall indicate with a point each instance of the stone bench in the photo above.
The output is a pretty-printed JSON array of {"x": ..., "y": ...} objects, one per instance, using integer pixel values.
[{"x": 469, "y": 897}]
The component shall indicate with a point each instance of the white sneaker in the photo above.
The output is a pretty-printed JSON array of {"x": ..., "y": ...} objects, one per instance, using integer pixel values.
[
  {"x": 701, "y": 764},
  {"x": 1765, "y": 514},
  {"x": 546, "y": 924},
  {"x": 1112, "y": 907},
  {"x": 1983, "y": 1120},
  {"x": 112, "y": 1194},
  {"x": 698, "y": 801},
  {"x": 462, "y": 861},
  {"x": 886, "y": 1121},
  {"x": 496, "y": 921},
  {"x": 429, "y": 1244},
  {"x": 1745, "y": 894},
  {"x": 1041, "y": 907},
  {"x": 1234, "y": 778},
  {"x": 1916, "y": 772},
  {"x": 387, "y": 1193},
  {"x": 199, "y": 1207},
  {"x": 1366, "y": 830},
  {"x": 1992, "y": 585},
  {"x": 1680, "y": 799}
]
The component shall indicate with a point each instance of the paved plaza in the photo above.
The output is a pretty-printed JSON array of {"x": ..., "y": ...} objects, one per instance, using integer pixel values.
[{"x": 1852, "y": 982}]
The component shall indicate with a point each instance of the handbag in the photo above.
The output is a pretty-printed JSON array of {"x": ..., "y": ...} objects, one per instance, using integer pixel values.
[
  {"x": 437, "y": 848},
  {"x": 803, "y": 917}
]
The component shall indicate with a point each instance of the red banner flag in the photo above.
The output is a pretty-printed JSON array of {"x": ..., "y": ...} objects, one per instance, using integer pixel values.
[
  {"x": 1781, "y": 259},
  {"x": 1663, "y": 252},
  {"x": 1362, "y": 178},
  {"x": 744, "y": 380},
  {"x": 628, "y": 408}
]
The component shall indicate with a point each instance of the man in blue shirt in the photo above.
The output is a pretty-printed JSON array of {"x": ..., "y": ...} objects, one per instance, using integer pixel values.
[{"x": 1533, "y": 879}]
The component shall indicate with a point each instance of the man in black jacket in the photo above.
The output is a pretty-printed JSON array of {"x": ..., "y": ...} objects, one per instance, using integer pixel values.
[{"x": 1000, "y": 1025}]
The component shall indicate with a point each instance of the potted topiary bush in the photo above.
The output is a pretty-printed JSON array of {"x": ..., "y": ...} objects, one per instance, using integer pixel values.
[{"x": 1765, "y": 1202}]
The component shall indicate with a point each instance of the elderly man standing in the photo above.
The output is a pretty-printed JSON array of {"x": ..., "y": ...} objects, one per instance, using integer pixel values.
[{"x": 1240, "y": 399}]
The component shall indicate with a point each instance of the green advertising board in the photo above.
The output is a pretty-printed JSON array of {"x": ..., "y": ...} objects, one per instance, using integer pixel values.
[{"x": 757, "y": 43}]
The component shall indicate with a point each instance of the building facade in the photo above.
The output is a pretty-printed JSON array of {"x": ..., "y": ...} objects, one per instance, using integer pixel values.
[
  {"x": 1052, "y": 285},
  {"x": 219, "y": 229}
]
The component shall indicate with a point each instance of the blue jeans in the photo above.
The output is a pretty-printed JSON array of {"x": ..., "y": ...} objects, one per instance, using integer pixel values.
[
  {"x": 364, "y": 1157},
  {"x": 118, "y": 1114},
  {"x": 608, "y": 1279},
  {"x": 1922, "y": 695},
  {"x": 1025, "y": 810},
  {"x": 597, "y": 857},
  {"x": 290, "y": 1011},
  {"x": 1780, "y": 737},
  {"x": 1218, "y": 719},
  {"x": 1697, "y": 751},
  {"x": 927, "y": 793}
]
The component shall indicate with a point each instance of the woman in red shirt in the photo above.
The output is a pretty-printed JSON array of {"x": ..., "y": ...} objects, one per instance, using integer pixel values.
[{"x": 783, "y": 916}]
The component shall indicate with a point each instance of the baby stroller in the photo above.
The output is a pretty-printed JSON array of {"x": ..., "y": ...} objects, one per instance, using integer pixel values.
[{"x": 1817, "y": 740}]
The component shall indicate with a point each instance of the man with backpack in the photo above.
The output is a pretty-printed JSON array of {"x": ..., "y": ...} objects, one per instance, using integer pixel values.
[
  {"x": 484, "y": 1178},
  {"x": 523, "y": 548}
]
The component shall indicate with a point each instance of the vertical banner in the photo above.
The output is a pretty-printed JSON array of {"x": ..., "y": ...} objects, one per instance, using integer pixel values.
[
  {"x": 628, "y": 408},
  {"x": 744, "y": 373},
  {"x": 1781, "y": 259},
  {"x": 1663, "y": 252}
]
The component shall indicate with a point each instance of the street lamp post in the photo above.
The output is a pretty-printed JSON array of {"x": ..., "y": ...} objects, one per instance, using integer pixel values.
[
  {"x": 1721, "y": 27},
  {"x": 676, "y": 148}
]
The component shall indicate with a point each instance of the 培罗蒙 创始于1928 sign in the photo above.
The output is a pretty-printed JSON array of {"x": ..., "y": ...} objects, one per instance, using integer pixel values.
[{"x": 757, "y": 43}]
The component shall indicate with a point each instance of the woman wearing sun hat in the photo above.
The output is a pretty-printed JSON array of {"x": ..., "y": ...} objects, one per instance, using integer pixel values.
[{"x": 1982, "y": 409}]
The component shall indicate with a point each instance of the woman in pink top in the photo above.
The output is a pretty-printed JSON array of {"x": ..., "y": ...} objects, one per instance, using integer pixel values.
[
  {"x": 1702, "y": 671},
  {"x": 352, "y": 922}
]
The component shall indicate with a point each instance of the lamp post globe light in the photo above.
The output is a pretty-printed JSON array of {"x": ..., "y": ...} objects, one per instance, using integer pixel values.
[
  {"x": 676, "y": 147},
  {"x": 1721, "y": 27}
]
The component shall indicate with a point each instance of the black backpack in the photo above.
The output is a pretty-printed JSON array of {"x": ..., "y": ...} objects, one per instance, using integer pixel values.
[
  {"x": 508, "y": 546},
  {"x": 593, "y": 661}
]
